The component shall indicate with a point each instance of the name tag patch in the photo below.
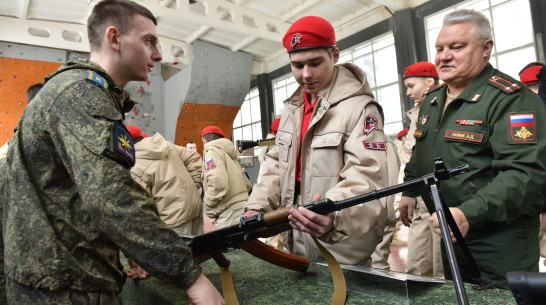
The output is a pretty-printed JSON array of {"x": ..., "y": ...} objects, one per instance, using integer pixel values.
[
  {"x": 464, "y": 136},
  {"x": 375, "y": 145},
  {"x": 522, "y": 128}
]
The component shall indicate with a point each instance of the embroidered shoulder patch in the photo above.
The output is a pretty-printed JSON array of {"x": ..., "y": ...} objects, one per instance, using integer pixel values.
[
  {"x": 521, "y": 128},
  {"x": 375, "y": 145},
  {"x": 123, "y": 143},
  {"x": 210, "y": 164},
  {"x": 94, "y": 76},
  {"x": 504, "y": 85},
  {"x": 370, "y": 124}
]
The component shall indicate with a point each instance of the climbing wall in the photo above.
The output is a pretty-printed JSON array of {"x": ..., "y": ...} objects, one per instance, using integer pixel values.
[{"x": 16, "y": 75}]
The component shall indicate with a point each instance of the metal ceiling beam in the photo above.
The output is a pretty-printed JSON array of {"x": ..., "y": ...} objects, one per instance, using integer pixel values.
[{"x": 393, "y": 4}]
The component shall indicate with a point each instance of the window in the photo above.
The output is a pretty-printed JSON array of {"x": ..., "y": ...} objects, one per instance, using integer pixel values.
[
  {"x": 246, "y": 125},
  {"x": 377, "y": 57},
  {"x": 283, "y": 87},
  {"x": 514, "y": 45}
]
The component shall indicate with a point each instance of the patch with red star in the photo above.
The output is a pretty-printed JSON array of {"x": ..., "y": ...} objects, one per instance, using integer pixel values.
[{"x": 370, "y": 124}]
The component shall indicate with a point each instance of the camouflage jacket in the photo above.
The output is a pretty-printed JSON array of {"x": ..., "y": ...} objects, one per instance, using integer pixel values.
[{"x": 72, "y": 203}]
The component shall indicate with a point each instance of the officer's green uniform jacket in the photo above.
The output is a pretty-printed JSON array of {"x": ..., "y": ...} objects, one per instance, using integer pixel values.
[
  {"x": 72, "y": 203},
  {"x": 497, "y": 127}
]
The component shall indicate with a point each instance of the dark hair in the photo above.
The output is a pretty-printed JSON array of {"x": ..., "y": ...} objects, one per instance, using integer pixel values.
[
  {"x": 529, "y": 65},
  {"x": 211, "y": 136},
  {"x": 190, "y": 142},
  {"x": 117, "y": 13},
  {"x": 33, "y": 90}
]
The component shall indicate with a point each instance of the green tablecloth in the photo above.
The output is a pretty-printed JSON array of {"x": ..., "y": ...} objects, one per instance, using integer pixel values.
[{"x": 258, "y": 282}]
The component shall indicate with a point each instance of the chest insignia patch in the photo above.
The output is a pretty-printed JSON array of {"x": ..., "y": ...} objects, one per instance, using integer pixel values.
[
  {"x": 370, "y": 124},
  {"x": 476, "y": 98},
  {"x": 468, "y": 122},
  {"x": 123, "y": 143},
  {"x": 91, "y": 75},
  {"x": 424, "y": 119},
  {"x": 464, "y": 136},
  {"x": 522, "y": 128},
  {"x": 210, "y": 164},
  {"x": 375, "y": 145},
  {"x": 418, "y": 134}
]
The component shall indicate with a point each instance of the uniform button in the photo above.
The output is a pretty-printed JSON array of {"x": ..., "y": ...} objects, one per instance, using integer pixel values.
[
  {"x": 323, "y": 140},
  {"x": 324, "y": 107}
]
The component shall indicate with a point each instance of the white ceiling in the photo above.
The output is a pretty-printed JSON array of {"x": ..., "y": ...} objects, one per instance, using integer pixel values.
[{"x": 252, "y": 26}]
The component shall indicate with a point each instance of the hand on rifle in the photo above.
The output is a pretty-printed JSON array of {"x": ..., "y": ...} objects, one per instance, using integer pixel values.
[
  {"x": 460, "y": 219},
  {"x": 310, "y": 222},
  {"x": 406, "y": 206},
  {"x": 136, "y": 273}
]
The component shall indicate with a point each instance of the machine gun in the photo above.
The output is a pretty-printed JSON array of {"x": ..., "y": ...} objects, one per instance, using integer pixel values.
[{"x": 243, "y": 145}]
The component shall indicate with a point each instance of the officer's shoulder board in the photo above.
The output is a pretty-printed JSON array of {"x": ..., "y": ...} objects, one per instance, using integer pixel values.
[
  {"x": 433, "y": 88},
  {"x": 504, "y": 85},
  {"x": 97, "y": 78}
]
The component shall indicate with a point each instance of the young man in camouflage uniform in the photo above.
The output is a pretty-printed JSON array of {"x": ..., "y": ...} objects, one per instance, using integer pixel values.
[
  {"x": 488, "y": 120},
  {"x": 72, "y": 204}
]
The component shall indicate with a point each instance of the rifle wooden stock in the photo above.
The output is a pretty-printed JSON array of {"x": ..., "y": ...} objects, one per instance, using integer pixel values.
[{"x": 274, "y": 256}]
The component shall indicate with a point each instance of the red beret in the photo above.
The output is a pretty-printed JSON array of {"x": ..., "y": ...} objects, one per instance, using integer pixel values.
[
  {"x": 145, "y": 135},
  {"x": 275, "y": 125},
  {"x": 529, "y": 75},
  {"x": 214, "y": 129},
  {"x": 402, "y": 133},
  {"x": 421, "y": 69},
  {"x": 309, "y": 32},
  {"x": 135, "y": 131}
]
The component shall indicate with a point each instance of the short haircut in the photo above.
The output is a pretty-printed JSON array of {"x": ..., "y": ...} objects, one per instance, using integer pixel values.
[
  {"x": 211, "y": 136},
  {"x": 117, "y": 13},
  {"x": 190, "y": 142},
  {"x": 33, "y": 90},
  {"x": 481, "y": 25}
]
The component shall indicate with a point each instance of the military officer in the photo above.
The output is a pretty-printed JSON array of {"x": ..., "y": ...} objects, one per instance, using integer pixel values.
[{"x": 488, "y": 120}]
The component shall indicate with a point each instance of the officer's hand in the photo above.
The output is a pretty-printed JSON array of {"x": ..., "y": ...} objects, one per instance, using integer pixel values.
[
  {"x": 136, "y": 273},
  {"x": 406, "y": 206},
  {"x": 310, "y": 222},
  {"x": 460, "y": 220},
  {"x": 203, "y": 292}
]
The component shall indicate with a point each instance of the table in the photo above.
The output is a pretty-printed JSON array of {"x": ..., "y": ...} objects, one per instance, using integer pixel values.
[{"x": 258, "y": 282}]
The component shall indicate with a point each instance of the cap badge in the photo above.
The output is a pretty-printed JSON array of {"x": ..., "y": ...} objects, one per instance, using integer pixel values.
[{"x": 295, "y": 39}]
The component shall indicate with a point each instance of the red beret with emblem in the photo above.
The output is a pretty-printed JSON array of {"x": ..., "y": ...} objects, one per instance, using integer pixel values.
[
  {"x": 212, "y": 129},
  {"x": 309, "y": 32},
  {"x": 275, "y": 125},
  {"x": 421, "y": 69},
  {"x": 135, "y": 131},
  {"x": 529, "y": 75},
  {"x": 402, "y": 133}
]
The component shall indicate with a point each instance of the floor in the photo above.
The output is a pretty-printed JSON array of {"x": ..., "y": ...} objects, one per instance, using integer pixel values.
[{"x": 399, "y": 249}]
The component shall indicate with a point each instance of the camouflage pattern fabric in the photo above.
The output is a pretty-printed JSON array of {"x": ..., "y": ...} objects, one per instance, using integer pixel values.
[
  {"x": 72, "y": 203},
  {"x": 3, "y": 194}
]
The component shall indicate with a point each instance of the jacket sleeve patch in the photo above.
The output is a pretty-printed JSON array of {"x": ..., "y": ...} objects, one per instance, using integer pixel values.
[
  {"x": 210, "y": 164},
  {"x": 123, "y": 143},
  {"x": 370, "y": 124},
  {"x": 375, "y": 145},
  {"x": 521, "y": 128}
]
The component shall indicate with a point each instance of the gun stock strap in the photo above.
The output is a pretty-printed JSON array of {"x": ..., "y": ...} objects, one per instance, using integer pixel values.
[
  {"x": 227, "y": 287},
  {"x": 340, "y": 289}
]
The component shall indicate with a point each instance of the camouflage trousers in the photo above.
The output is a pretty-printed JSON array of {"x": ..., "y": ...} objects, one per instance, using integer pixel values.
[{"x": 22, "y": 295}]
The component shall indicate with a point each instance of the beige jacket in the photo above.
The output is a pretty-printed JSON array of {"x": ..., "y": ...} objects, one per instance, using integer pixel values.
[
  {"x": 337, "y": 163},
  {"x": 224, "y": 182},
  {"x": 172, "y": 174}
]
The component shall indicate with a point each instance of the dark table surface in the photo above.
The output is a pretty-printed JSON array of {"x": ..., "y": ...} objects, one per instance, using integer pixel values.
[{"x": 258, "y": 282}]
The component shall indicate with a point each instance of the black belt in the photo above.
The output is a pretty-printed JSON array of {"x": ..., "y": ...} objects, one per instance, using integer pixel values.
[{"x": 297, "y": 190}]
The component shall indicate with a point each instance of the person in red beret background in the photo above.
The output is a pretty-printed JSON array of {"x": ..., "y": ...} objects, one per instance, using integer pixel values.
[
  {"x": 330, "y": 144},
  {"x": 225, "y": 186},
  {"x": 528, "y": 75},
  {"x": 424, "y": 252}
]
